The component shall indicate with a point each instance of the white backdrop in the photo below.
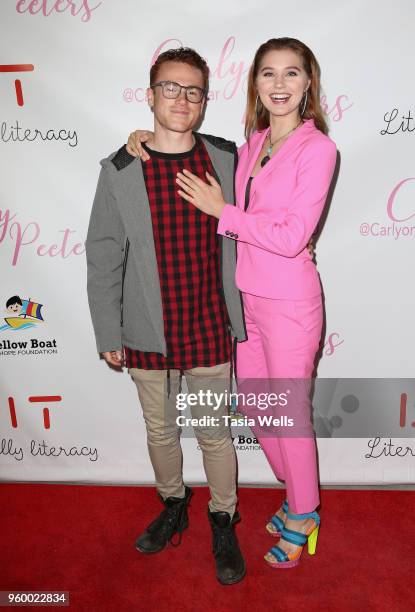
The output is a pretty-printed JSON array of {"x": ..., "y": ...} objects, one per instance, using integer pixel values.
[{"x": 81, "y": 69}]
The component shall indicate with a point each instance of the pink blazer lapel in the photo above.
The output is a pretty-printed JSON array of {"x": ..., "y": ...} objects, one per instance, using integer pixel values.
[
  {"x": 256, "y": 142},
  {"x": 301, "y": 134}
]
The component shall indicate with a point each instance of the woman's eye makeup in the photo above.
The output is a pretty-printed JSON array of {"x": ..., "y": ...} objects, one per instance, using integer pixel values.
[{"x": 268, "y": 73}]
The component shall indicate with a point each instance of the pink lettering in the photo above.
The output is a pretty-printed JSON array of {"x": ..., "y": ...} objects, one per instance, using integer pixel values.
[
  {"x": 56, "y": 8},
  {"x": 140, "y": 94},
  {"x": 391, "y": 201},
  {"x": 33, "y": 7},
  {"x": 78, "y": 249},
  {"x": 25, "y": 235},
  {"x": 19, "y": 6},
  {"x": 4, "y": 223},
  {"x": 159, "y": 49},
  {"x": 42, "y": 250},
  {"x": 20, "y": 235},
  {"x": 65, "y": 243},
  {"x": 339, "y": 108},
  {"x": 233, "y": 72},
  {"x": 331, "y": 344},
  {"x": 88, "y": 10},
  {"x": 54, "y": 250},
  {"x": 48, "y": 7},
  {"x": 74, "y": 12},
  {"x": 236, "y": 70}
]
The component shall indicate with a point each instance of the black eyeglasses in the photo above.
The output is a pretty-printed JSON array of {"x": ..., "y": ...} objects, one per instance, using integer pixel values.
[{"x": 173, "y": 90}]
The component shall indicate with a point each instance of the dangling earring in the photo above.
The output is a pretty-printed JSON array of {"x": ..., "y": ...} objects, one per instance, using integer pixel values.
[
  {"x": 257, "y": 111},
  {"x": 304, "y": 104}
]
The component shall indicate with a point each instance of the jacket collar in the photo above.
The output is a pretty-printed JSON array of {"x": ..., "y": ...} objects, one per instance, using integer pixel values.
[
  {"x": 130, "y": 190},
  {"x": 301, "y": 134},
  {"x": 223, "y": 164}
]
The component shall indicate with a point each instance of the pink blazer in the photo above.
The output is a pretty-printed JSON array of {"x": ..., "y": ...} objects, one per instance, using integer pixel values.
[{"x": 287, "y": 198}]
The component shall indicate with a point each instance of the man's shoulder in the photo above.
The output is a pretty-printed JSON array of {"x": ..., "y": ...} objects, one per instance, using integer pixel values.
[
  {"x": 219, "y": 143},
  {"x": 118, "y": 159}
]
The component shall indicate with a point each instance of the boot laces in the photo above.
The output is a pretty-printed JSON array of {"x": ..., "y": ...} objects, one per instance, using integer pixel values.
[
  {"x": 224, "y": 540},
  {"x": 171, "y": 520}
]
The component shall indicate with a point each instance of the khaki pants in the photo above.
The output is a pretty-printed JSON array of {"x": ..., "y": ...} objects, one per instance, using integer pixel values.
[{"x": 163, "y": 433}]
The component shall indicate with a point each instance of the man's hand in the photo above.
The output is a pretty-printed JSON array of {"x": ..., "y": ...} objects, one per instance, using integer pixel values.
[
  {"x": 134, "y": 146},
  {"x": 114, "y": 358}
]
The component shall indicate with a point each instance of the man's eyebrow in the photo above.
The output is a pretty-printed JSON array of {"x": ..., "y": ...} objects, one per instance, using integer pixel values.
[{"x": 177, "y": 83}]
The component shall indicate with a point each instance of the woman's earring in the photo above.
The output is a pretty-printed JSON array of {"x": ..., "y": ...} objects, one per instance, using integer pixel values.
[
  {"x": 257, "y": 111},
  {"x": 304, "y": 104}
]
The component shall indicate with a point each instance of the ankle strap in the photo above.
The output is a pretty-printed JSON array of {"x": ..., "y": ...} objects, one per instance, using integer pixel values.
[{"x": 299, "y": 517}]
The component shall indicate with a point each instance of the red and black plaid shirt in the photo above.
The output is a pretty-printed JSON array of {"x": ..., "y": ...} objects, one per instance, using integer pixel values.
[{"x": 188, "y": 259}]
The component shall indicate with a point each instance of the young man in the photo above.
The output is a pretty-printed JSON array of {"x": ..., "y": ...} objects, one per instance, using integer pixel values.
[{"x": 161, "y": 289}]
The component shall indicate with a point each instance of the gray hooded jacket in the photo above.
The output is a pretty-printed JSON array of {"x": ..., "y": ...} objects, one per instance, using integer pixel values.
[{"x": 123, "y": 282}]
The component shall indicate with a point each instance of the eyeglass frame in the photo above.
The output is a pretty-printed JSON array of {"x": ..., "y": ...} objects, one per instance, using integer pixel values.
[{"x": 185, "y": 87}]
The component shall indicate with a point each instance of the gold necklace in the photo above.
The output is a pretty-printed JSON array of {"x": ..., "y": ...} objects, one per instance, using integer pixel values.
[{"x": 267, "y": 157}]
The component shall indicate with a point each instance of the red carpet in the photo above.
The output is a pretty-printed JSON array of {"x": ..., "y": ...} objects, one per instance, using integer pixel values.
[{"x": 81, "y": 539}]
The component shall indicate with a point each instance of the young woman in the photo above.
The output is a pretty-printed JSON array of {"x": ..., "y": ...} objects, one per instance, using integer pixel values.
[{"x": 283, "y": 177}]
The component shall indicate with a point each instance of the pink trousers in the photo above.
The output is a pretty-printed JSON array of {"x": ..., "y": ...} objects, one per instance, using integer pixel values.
[{"x": 283, "y": 339}]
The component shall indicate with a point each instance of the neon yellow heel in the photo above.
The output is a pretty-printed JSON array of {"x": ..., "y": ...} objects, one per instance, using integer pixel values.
[
  {"x": 278, "y": 558},
  {"x": 312, "y": 541}
]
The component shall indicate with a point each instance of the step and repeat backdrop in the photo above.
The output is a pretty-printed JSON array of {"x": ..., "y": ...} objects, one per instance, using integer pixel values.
[{"x": 73, "y": 79}]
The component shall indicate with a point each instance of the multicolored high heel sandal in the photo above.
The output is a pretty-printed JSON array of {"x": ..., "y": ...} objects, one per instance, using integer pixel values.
[
  {"x": 276, "y": 524},
  {"x": 284, "y": 560}
]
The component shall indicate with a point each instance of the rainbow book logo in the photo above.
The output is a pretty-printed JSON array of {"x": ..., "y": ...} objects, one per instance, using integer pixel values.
[{"x": 22, "y": 314}]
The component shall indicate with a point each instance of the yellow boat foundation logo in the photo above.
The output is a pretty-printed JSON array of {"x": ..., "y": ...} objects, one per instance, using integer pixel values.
[{"x": 21, "y": 315}]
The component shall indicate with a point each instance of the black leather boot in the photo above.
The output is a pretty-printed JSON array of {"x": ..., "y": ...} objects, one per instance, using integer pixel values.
[
  {"x": 173, "y": 519},
  {"x": 230, "y": 564}
]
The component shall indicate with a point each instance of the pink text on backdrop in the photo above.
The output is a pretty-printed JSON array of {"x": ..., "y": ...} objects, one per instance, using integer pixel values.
[
  {"x": 332, "y": 343},
  {"x": 233, "y": 76},
  {"x": 340, "y": 106},
  {"x": 28, "y": 235},
  {"x": 225, "y": 70},
  {"x": 391, "y": 205},
  {"x": 47, "y": 7}
]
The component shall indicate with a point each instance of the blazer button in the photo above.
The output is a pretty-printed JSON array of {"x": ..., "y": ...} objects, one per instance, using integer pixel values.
[
  {"x": 227, "y": 233},
  {"x": 236, "y": 235}
]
